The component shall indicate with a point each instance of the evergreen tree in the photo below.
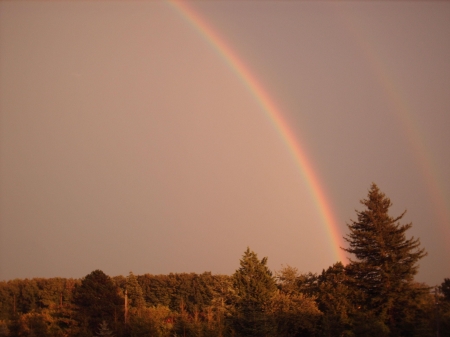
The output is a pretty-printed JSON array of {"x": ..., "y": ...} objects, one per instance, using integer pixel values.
[
  {"x": 103, "y": 330},
  {"x": 97, "y": 300},
  {"x": 335, "y": 301},
  {"x": 295, "y": 312},
  {"x": 443, "y": 309},
  {"x": 445, "y": 289},
  {"x": 135, "y": 294},
  {"x": 386, "y": 262},
  {"x": 255, "y": 287}
]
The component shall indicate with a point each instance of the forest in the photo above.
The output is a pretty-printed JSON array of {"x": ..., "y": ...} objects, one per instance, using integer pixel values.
[{"x": 375, "y": 294}]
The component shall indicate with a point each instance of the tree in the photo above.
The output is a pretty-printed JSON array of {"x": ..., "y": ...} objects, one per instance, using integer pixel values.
[
  {"x": 255, "y": 287},
  {"x": 103, "y": 330},
  {"x": 445, "y": 289},
  {"x": 134, "y": 295},
  {"x": 335, "y": 301},
  {"x": 386, "y": 262},
  {"x": 443, "y": 309},
  {"x": 98, "y": 300},
  {"x": 295, "y": 312}
]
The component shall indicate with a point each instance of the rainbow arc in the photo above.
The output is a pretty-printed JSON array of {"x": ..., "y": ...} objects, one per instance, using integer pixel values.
[{"x": 275, "y": 115}]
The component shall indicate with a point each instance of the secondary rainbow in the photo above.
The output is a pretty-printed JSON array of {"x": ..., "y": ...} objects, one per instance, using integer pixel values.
[
  {"x": 275, "y": 115},
  {"x": 411, "y": 129}
]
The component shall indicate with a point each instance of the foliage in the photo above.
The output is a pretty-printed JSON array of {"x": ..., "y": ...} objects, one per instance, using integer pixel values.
[
  {"x": 375, "y": 295},
  {"x": 294, "y": 312},
  {"x": 442, "y": 319},
  {"x": 386, "y": 262},
  {"x": 4, "y": 331},
  {"x": 445, "y": 289},
  {"x": 196, "y": 291},
  {"x": 135, "y": 294},
  {"x": 103, "y": 329},
  {"x": 335, "y": 300},
  {"x": 97, "y": 300},
  {"x": 255, "y": 288},
  {"x": 160, "y": 319}
]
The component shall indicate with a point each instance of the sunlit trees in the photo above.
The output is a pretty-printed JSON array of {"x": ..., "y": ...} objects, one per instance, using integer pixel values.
[
  {"x": 295, "y": 313},
  {"x": 374, "y": 295},
  {"x": 134, "y": 291},
  {"x": 335, "y": 300},
  {"x": 385, "y": 264},
  {"x": 255, "y": 287}
]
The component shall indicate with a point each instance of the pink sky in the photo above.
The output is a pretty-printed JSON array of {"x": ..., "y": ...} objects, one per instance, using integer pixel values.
[{"x": 129, "y": 143}]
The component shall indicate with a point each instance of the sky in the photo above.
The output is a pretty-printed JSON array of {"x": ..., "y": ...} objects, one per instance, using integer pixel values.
[{"x": 159, "y": 137}]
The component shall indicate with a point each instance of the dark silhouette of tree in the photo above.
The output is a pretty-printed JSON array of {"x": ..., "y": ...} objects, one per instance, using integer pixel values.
[
  {"x": 98, "y": 300},
  {"x": 385, "y": 265},
  {"x": 445, "y": 289},
  {"x": 442, "y": 309}
]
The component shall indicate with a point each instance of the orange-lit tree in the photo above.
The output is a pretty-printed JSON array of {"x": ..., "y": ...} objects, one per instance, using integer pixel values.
[
  {"x": 385, "y": 264},
  {"x": 255, "y": 287}
]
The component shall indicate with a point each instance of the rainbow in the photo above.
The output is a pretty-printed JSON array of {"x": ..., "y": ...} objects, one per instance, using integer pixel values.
[
  {"x": 412, "y": 129},
  {"x": 275, "y": 115}
]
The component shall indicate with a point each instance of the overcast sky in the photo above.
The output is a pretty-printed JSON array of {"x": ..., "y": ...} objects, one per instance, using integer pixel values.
[{"x": 129, "y": 143}]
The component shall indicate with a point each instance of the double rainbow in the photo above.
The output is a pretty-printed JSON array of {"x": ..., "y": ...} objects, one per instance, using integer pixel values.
[{"x": 275, "y": 115}]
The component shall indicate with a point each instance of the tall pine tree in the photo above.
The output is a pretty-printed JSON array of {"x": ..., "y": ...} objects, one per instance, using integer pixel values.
[
  {"x": 255, "y": 287},
  {"x": 385, "y": 264}
]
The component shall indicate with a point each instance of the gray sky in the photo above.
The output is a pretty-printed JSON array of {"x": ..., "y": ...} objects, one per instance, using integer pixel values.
[{"x": 128, "y": 143}]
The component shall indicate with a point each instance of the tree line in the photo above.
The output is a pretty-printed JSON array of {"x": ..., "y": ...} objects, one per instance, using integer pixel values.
[{"x": 373, "y": 295}]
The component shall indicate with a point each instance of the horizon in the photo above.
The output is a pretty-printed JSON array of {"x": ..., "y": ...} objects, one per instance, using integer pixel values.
[{"x": 158, "y": 136}]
